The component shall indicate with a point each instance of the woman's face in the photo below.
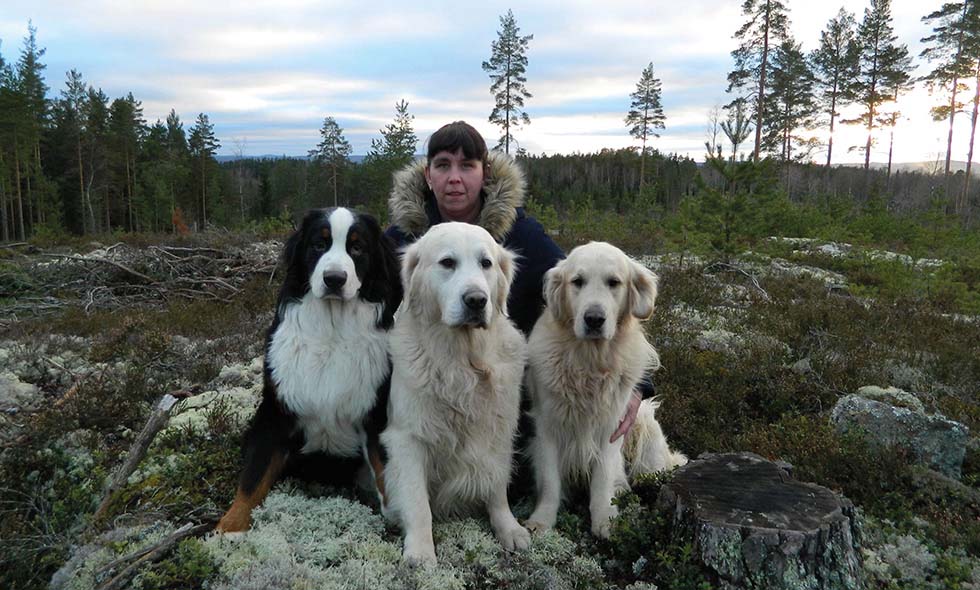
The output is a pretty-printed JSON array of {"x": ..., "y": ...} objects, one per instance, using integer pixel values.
[{"x": 456, "y": 183}]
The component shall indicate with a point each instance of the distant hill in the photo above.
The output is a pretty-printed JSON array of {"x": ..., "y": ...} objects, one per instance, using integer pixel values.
[
  {"x": 223, "y": 159},
  {"x": 933, "y": 167}
]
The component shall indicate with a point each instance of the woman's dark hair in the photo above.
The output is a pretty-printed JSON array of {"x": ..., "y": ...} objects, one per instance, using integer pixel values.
[{"x": 458, "y": 135}]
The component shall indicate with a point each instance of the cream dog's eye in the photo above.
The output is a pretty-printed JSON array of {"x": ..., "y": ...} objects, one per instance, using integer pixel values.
[
  {"x": 486, "y": 263},
  {"x": 613, "y": 283},
  {"x": 448, "y": 263},
  {"x": 578, "y": 282}
]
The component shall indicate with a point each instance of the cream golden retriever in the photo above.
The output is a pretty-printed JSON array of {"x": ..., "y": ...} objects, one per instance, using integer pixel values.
[
  {"x": 585, "y": 356},
  {"x": 457, "y": 366}
]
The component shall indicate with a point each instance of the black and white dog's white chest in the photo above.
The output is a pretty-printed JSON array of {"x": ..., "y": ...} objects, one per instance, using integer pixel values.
[{"x": 327, "y": 360}]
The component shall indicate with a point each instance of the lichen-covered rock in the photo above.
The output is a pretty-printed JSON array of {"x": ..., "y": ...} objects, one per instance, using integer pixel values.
[
  {"x": 933, "y": 440},
  {"x": 756, "y": 527},
  {"x": 891, "y": 395}
]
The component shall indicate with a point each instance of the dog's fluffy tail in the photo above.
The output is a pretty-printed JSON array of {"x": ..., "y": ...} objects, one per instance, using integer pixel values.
[{"x": 645, "y": 448}]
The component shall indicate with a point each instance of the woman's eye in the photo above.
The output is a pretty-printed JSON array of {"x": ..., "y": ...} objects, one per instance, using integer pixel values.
[
  {"x": 613, "y": 283},
  {"x": 447, "y": 263},
  {"x": 578, "y": 282},
  {"x": 485, "y": 263}
]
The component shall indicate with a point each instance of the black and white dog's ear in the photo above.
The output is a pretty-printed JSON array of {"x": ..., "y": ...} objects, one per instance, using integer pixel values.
[
  {"x": 642, "y": 290},
  {"x": 554, "y": 292},
  {"x": 393, "y": 281}
]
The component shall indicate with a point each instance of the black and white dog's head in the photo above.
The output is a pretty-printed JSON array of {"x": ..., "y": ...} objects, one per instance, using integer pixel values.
[{"x": 339, "y": 254}]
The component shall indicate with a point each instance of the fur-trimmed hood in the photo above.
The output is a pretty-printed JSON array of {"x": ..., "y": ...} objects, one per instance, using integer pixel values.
[{"x": 504, "y": 187}]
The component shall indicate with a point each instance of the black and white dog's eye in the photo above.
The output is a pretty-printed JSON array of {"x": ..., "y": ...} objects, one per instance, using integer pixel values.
[
  {"x": 356, "y": 249},
  {"x": 486, "y": 263},
  {"x": 578, "y": 282},
  {"x": 448, "y": 262},
  {"x": 613, "y": 283},
  {"x": 319, "y": 247}
]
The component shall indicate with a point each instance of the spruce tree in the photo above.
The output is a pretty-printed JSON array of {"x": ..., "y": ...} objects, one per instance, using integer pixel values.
[
  {"x": 884, "y": 68},
  {"x": 507, "y": 65},
  {"x": 646, "y": 114},
  {"x": 203, "y": 145},
  {"x": 767, "y": 25},
  {"x": 333, "y": 151},
  {"x": 34, "y": 110},
  {"x": 834, "y": 65},
  {"x": 398, "y": 140}
]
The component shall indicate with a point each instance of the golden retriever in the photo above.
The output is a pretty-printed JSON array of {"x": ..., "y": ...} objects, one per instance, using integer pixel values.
[{"x": 586, "y": 354}]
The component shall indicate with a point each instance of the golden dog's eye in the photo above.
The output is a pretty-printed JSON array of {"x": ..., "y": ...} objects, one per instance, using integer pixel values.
[
  {"x": 578, "y": 282},
  {"x": 447, "y": 263},
  {"x": 486, "y": 263},
  {"x": 613, "y": 283}
]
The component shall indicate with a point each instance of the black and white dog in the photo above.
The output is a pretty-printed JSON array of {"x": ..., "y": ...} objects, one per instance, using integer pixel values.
[{"x": 327, "y": 364}]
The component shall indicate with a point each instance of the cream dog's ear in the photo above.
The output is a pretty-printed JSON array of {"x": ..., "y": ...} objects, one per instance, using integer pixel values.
[
  {"x": 410, "y": 261},
  {"x": 642, "y": 290},
  {"x": 554, "y": 292},
  {"x": 506, "y": 266}
]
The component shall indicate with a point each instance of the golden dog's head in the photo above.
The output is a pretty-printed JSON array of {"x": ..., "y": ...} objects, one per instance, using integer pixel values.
[
  {"x": 458, "y": 275},
  {"x": 598, "y": 287}
]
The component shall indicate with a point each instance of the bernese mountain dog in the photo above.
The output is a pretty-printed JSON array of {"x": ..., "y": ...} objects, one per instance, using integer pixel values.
[{"x": 327, "y": 364}]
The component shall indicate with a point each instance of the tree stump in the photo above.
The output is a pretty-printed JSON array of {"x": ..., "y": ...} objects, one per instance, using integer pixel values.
[{"x": 755, "y": 527}]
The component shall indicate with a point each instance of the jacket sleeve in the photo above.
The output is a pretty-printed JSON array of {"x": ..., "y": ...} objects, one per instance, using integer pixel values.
[{"x": 537, "y": 253}]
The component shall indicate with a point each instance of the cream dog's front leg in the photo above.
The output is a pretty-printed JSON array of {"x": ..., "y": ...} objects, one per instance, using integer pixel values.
[
  {"x": 547, "y": 474},
  {"x": 408, "y": 486},
  {"x": 608, "y": 473}
]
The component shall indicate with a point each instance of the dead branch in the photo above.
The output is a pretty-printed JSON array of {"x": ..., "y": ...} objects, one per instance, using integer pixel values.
[
  {"x": 149, "y": 555},
  {"x": 137, "y": 451},
  {"x": 735, "y": 269},
  {"x": 121, "y": 267}
]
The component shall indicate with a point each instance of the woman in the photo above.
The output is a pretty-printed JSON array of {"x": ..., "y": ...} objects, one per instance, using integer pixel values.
[{"x": 460, "y": 180}]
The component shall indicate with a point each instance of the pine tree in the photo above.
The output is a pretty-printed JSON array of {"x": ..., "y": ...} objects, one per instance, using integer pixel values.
[
  {"x": 507, "y": 65},
  {"x": 127, "y": 127},
  {"x": 646, "y": 114},
  {"x": 737, "y": 126},
  {"x": 947, "y": 46},
  {"x": 790, "y": 102},
  {"x": 7, "y": 119},
  {"x": 95, "y": 152},
  {"x": 767, "y": 25},
  {"x": 834, "y": 64},
  {"x": 333, "y": 151},
  {"x": 33, "y": 91},
  {"x": 178, "y": 166},
  {"x": 203, "y": 145},
  {"x": 883, "y": 68}
]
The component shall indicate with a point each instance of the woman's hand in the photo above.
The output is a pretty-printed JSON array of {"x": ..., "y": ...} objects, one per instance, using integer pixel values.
[{"x": 632, "y": 407}]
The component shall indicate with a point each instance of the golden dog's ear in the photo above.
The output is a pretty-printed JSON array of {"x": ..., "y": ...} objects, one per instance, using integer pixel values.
[
  {"x": 554, "y": 292},
  {"x": 410, "y": 261},
  {"x": 642, "y": 291},
  {"x": 506, "y": 267}
]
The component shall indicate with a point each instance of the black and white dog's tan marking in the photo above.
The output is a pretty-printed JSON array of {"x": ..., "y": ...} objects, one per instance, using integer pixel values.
[
  {"x": 586, "y": 354},
  {"x": 327, "y": 364},
  {"x": 457, "y": 364}
]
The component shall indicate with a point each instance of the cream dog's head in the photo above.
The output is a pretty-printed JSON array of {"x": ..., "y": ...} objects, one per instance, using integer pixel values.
[
  {"x": 458, "y": 275},
  {"x": 598, "y": 287}
]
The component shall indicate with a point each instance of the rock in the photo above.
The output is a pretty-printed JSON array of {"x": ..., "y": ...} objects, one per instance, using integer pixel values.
[
  {"x": 754, "y": 526},
  {"x": 934, "y": 440}
]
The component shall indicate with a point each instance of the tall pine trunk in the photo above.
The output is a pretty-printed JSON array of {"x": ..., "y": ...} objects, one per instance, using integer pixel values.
[
  {"x": 964, "y": 197},
  {"x": 762, "y": 85},
  {"x": 833, "y": 113},
  {"x": 81, "y": 183},
  {"x": 20, "y": 196}
]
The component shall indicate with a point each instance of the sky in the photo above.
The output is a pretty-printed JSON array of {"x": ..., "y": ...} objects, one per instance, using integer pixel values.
[{"x": 267, "y": 72}]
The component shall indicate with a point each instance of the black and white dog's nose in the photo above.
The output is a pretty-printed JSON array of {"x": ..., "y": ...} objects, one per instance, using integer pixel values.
[
  {"x": 334, "y": 280},
  {"x": 594, "y": 319},
  {"x": 475, "y": 300}
]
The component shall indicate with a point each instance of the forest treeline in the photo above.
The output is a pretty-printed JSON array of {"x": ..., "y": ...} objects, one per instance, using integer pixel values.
[{"x": 80, "y": 162}]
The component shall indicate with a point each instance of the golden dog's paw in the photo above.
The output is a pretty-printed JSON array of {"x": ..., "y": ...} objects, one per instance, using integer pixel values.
[
  {"x": 419, "y": 556},
  {"x": 516, "y": 538}
]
